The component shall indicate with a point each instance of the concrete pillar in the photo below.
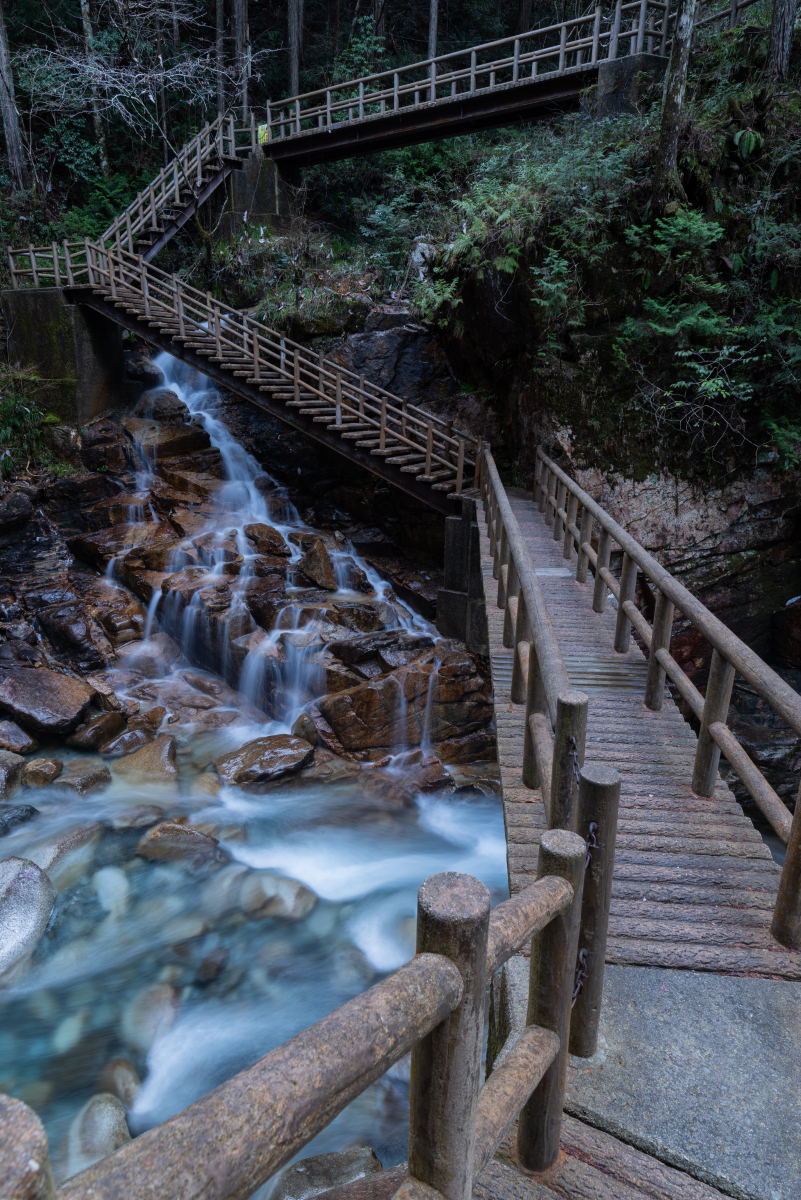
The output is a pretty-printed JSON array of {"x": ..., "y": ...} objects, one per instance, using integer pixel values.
[
  {"x": 74, "y": 351},
  {"x": 258, "y": 193},
  {"x": 622, "y": 81},
  {"x": 460, "y": 604}
]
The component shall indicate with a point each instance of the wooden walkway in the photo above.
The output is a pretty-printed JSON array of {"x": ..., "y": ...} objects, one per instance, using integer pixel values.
[{"x": 694, "y": 884}]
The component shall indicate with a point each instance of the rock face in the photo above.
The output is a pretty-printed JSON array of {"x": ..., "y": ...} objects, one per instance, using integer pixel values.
[
  {"x": 11, "y": 767},
  {"x": 315, "y": 566},
  {"x": 15, "y": 739},
  {"x": 27, "y": 897},
  {"x": 264, "y": 759},
  {"x": 322, "y": 1172},
  {"x": 42, "y": 701},
  {"x": 155, "y": 441},
  {"x": 98, "y": 1130},
  {"x": 786, "y": 625}
]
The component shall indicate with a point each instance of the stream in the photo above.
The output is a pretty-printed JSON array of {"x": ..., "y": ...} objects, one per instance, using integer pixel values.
[{"x": 161, "y": 969}]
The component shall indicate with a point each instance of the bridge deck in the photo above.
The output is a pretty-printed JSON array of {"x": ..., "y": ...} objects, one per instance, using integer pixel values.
[{"x": 694, "y": 884}]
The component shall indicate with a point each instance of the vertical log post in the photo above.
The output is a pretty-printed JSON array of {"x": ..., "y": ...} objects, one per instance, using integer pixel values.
[
  {"x": 786, "y": 925},
  {"x": 571, "y": 511},
  {"x": 459, "y": 466},
  {"x": 256, "y": 355},
  {"x": 562, "y": 44},
  {"x": 522, "y": 651},
  {"x": 716, "y": 708},
  {"x": 510, "y": 616},
  {"x": 338, "y": 409},
  {"x": 570, "y": 734},
  {"x": 604, "y": 555},
  {"x": 453, "y": 920},
  {"x": 558, "y": 522},
  {"x": 536, "y": 707},
  {"x": 542, "y": 499},
  {"x": 539, "y": 467},
  {"x": 553, "y": 961},
  {"x": 615, "y": 34},
  {"x": 382, "y": 432},
  {"x": 598, "y": 801},
  {"x": 296, "y": 377},
  {"x": 362, "y": 381},
  {"x": 550, "y": 501},
  {"x": 660, "y": 640},
  {"x": 628, "y": 583},
  {"x": 585, "y": 537}
]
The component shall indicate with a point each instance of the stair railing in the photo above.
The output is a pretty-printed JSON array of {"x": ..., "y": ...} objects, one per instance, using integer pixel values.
[
  {"x": 238, "y": 1136},
  {"x": 573, "y": 514},
  {"x": 425, "y": 444}
]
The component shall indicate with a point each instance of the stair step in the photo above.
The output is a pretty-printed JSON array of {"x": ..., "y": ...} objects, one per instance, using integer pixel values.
[
  {"x": 443, "y": 487},
  {"x": 435, "y": 477},
  {"x": 411, "y": 468},
  {"x": 355, "y": 432},
  {"x": 345, "y": 423},
  {"x": 406, "y": 458},
  {"x": 385, "y": 453}
]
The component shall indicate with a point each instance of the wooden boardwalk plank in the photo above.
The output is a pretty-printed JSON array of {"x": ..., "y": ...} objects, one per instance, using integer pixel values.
[{"x": 694, "y": 884}]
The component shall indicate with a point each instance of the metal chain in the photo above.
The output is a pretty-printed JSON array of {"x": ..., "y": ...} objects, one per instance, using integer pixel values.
[
  {"x": 581, "y": 975},
  {"x": 574, "y": 760},
  {"x": 592, "y": 843}
]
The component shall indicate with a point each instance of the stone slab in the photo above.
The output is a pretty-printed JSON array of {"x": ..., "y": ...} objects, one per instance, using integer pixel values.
[{"x": 704, "y": 1072}]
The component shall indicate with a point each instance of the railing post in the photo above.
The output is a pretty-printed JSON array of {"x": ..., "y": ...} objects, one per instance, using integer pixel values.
[
  {"x": 641, "y": 23},
  {"x": 550, "y": 509},
  {"x": 67, "y": 264},
  {"x": 89, "y": 270},
  {"x": 338, "y": 410},
  {"x": 472, "y": 70},
  {"x": 558, "y": 523},
  {"x": 460, "y": 467},
  {"x": 601, "y": 588},
  {"x": 542, "y": 498},
  {"x": 254, "y": 333},
  {"x": 615, "y": 34},
  {"x": 786, "y": 925},
  {"x": 585, "y": 537},
  {"x": 716, "y": 708},
  {"x": 452, "y": 920},
  {"x": 628, "y": 584},
  {"x": 512, "y": 593},
  {"x": 382, "y": 431},
  {"x": 596, "y": 34},
  {"x": 571, "y": 510},
  {"x": 56, "y": 271},
  {"x": 569, "y": 737},
  {"x": 553, "y": 961},
  {"x": 429, "y": 448},
  {"x": 660, "y": 640},
  {"x": 395, "y": 96},
  {"x": 361, "y": 100},
  {"x": 562, "y": 44},
  {"x": 516, "y": 63},
  {"x": 665, "y": 23},
  {"x": 598, "y": 802},
  {"x": 143, "y": 287},
  {"x": 34, "y": 265},
  {"x": 296, "y": 377},
  {"x": 179, "y": 304}
]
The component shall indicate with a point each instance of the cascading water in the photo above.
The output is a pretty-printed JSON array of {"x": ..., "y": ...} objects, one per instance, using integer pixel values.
[{"x": 153, "y": 961}]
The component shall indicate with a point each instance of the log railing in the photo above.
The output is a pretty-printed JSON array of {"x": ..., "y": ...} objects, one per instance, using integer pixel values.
[
  {"x": 233, "y": 1140},
  {"x": 574, "y": 515},
  {"x": 403, "y": 434}
]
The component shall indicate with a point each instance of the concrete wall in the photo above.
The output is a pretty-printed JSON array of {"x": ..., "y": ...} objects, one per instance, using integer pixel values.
[
  {"x": 257, "y": 193},
  {"x": 74, "y": 351},
  {"x": 622, "y": 81}
]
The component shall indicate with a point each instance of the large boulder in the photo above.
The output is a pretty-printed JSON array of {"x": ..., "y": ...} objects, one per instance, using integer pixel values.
[
  {"x": 11, "y": 768},
  {"x": 71, "y": 629},
  {"x": 153, "y": 764},
  {"x": 141, "y": 368},
  {"x": 154, "y": 441},
  {"x": 15, "y": 510},
  {"x": 315, "y": 566},
  {"x": 27, "y": 898},
  {"x": 98, "y": 1130},
  {"x": 15, "y": 739},
  {"x": 266, "y": 539},
  {"x": 67, "y": 856},
  {"x": 161, "y": 404},
  {"x": 44, "y": 701},
  {"x": 264, "y": 759},
  {"x": 377, "y": 653}
]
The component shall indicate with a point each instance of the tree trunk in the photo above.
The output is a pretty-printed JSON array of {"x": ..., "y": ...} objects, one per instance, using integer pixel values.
[
  {"x": 162, "y": 103},
  {"x": 240, "y": 53},
  {"x": 781, "y": 38},
  {"x": 379, "y": 16},
  {"x": 220, "y": 57},
  {"x": 293, "y": 19},
  {"x": 523, "y": 22},
  {"x": 176, "y": 34},
  {"x": 432, "y": 28},
  {"x": 16, "y": 157},
  {"x": 666, "y": 176},
  {"x": 97, "y": 116}
]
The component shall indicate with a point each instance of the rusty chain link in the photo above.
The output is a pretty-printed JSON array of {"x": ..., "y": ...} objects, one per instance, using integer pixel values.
[
  {"x": 581, "y": 975},
  {"x": 592, "y": 843}
]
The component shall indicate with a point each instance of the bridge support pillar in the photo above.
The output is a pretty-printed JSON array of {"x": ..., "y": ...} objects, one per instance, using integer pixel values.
[
  {"x": 460, "y": 604},
  {"x": 622, "y": 82},
  {"x": 259, "y": 192},
  {"x": 74, "y": 352}
]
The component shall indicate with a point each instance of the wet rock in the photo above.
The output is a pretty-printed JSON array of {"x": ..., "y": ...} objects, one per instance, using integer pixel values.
[
  {"x": 170, "y": 842},
  {"x": 20, "y": 654},
  {"x": 97, "y": 732},
  {"x": 15, "y": 510},
  {"x": 221, "y": 894},
  {"x": 264, "y": 759},
  {"x": 305, "y": 728},
  {"x": 212, "y": 965},
  {"x": 154, "y": 441},
  {"x": 70, "y": 629},
  {"x": 214, "y": 548},
  {"x": 268, "y": 541},
  {"x": 27, "y": 898},
  {"x": 127, "y": 743},
  {"x": 188, "y": 523},
  {"x": 43, "y": 701},
  {"x": 120, "y": 1078},
  {"x": 149, "y": 720},
  {"x": 84, "y": 776},
  {"x": 97, "y": 1131},
  {"x": 183, "y": 585},
  {"x": 99, "y": 548},
  {"x": 154, "y": 763},
  {"x": 105, "y": 696},
  {"x": 68, "y": 856},
  {"x": 120, "y": 616},
  {"x": 266, "y": 895},
  {"x": 364, "y": 618},
  {"x": 207, "y": 784},
  {"x": 19, "y": 631},
  {"x": 103, "y": 448},
  {"x": 424, "y": 770},
  {"x": 12, "y": 815},
  {"x": 76, "y": 492},
  {"x": 153, "y": 658},
  {"x": 39, "y": 772},
  {"x": 266, "y": 600},
  {"x": 376, "y": 653},
  {"x": 161, "y": 404},
  {"x": 124, "y": 509},
  {"x": 139, "y": 817},
  {"x": 150, "y": 1013},
  {"x": 141, "y": 368},
  {"x": 324, "y": 1171},
  {"x": 356, "y": 579},
  {"x": 316, "y": 567},
  {"x": 15, "y": 739},
  {"x": 11, "y": 767},
  {"x": 469, "y": 747},
  {"x": 113, "y": 889}
]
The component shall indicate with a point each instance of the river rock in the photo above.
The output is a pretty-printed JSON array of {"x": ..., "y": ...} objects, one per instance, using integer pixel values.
[
  {"x": 212, "y": 965},
  {"x": 264, "y": 894},
  {"x": 170, "y": 842},
  {"x": 97, "y": 732},
  {"x": 72, "y": 631},
  {"x": 123, "y": 509},
  {"x": 138, "y": 817},
  {"x": 39, "y": 772},
  {"x": 11, "y": 767},
  {"x": 214, "y": 547},
  {"x": 68, "y": 856},
  {"x": 221, "y": 894},
  {"x": 316, "y": 567},
  {"x": 27, "y": 898},
  {"x": 15, "y": 739},
  {"x": 305, "y": 728},
  {"x": 153, "y": 658},
  {"x": 20, "y": 654},
  {"x": 12, "y": 815},
  {"x": 266, "y": 540},
  {"x": 105, "y": 696},
  {"x": 263, "y": 759},
  {"x": 15, "y": 510},
  {"x": 127, "y": 743},
  {"x": 113, "y": 889},
  {"x": 85, "y": 775},
  {"x": 155, "y": 441},
  {"x": 150, "y": 1013},
  {"x": 207, "y": 784},
  {"x": 324, "y": 1171},
  {"x": 98, "y": 1130},
  {"x": 44, "y": 701},
  {"x": 377, "y": 653},
  {"x": 153, "y": 764},
  {"x": 120, "y": 1078},
  {"x": 161, "y": 404},
  {"x": 141, "y": 368},
  {"x": 266, "y": 599}
]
